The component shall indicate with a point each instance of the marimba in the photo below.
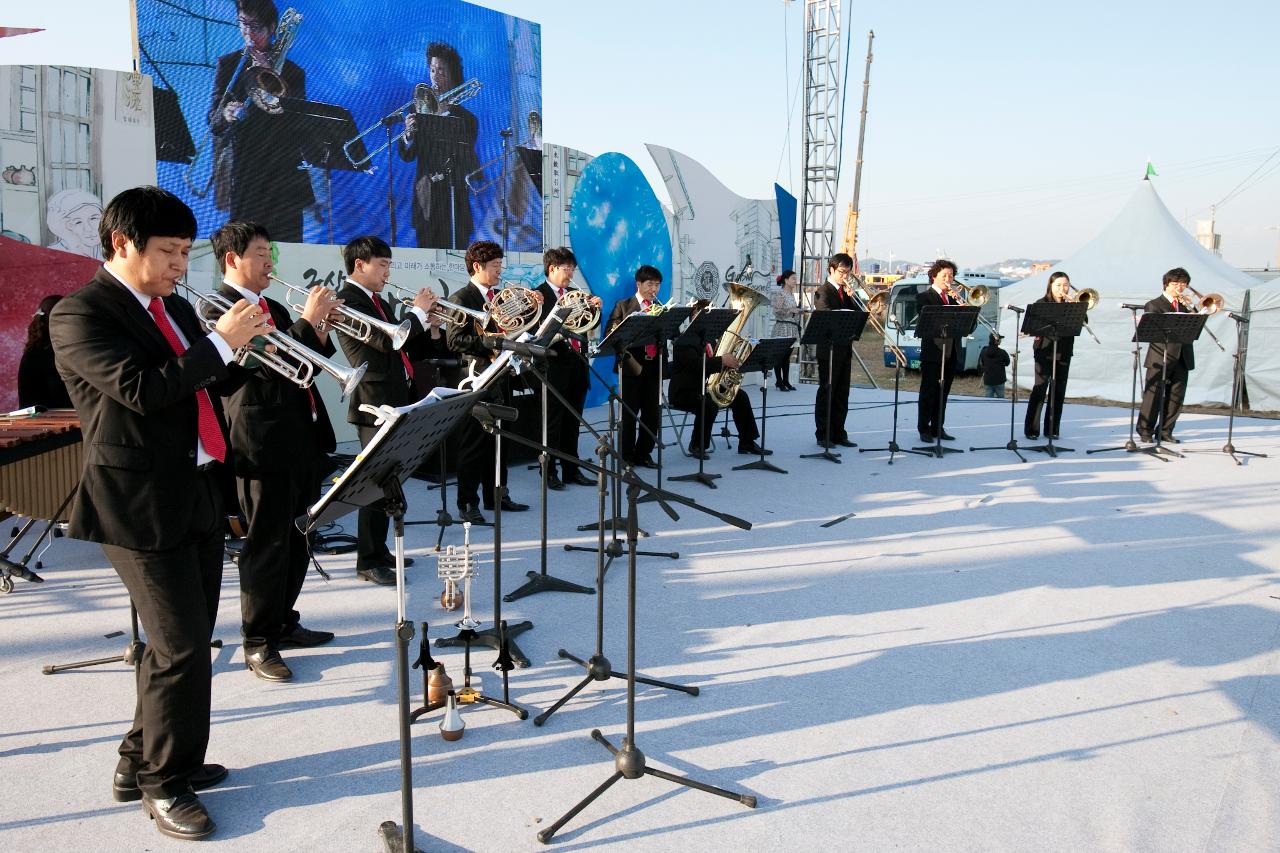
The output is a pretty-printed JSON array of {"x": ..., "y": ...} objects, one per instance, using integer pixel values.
[{"x": 40, "y": 465}]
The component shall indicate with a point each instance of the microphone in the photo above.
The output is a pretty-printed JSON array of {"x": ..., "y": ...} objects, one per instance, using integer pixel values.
[
  {"x": 442, "y": 362},
  {"x": 1015, "y": 309},
  {"x": 487, "y": 413},
  {"x": 1239, "y": 318},
  {"x": 1133, "y": 307},
  {"x": 499, "y": 344}
]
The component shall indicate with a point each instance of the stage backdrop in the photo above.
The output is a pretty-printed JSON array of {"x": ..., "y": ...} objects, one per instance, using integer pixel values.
[
  {"x": 365, "y": 58},
  {"x": 69, "y": 138}
]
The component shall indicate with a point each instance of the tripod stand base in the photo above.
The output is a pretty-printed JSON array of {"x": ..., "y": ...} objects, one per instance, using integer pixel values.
[
  {"x": 490, "y": 640},
  {"x": 1012, "y": 445},
  {"x": 893, "y": 448},
  {"x": 629, "y": 763},
  {"x": 393, "y": 837},
  {"x": 610, "y": 524},
  {"x": 539, "y": 582},
  {"x": 1051, "y": 449},
  {"x": 599, "y": 669},
  {"x": 936, "y": 450},
  {"x": 760, "y": 465},
  {"x": 702, "y": 477},
  {"x": 826, "y": 454}
]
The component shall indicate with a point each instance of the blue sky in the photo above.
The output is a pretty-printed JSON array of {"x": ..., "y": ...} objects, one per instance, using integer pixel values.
[{"x": 995, "y": 129}]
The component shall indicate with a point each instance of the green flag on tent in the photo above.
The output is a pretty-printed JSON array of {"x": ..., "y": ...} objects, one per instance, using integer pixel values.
[{"x": 1151, "y": 170}]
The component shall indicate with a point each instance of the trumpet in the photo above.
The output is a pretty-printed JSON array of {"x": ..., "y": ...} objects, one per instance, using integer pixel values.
[
  {"x": 1089, "y": 297},
  {"x": 425, "y": 101},
  {"x": 450, "y": 313},
  {"x": 281, "y": 353},
  {"x": 355, "y": 324}
]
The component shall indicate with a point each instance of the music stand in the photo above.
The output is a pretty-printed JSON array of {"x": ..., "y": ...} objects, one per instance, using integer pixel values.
[
  {"x": 832, "y": 329},
  {"x": 173, "y": 137},
  {"x": 1237, "y": 383},
  {"x": 1131, "y": 446},
  {"x": 765, "y": 356},
  {"x": 1052, "y": 320},
  {"x": 322, "y": 129},
  {"x": 447, "y": 133},
  {"x": 946, "y": 325},
  {"x": 899, "y": 363},
  {"x": 376, "y": 478},
  {"x": 1166, "y": 328},
  {"x": 708, "y": 326},
  {"x": 667, "y": 327}
]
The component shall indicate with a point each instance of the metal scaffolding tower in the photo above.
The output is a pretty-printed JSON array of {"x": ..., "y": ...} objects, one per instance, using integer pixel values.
[{"x": 821, "y": 152}]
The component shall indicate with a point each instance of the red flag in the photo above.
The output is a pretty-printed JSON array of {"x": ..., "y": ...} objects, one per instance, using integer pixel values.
[{"x": 5, "y": 32}]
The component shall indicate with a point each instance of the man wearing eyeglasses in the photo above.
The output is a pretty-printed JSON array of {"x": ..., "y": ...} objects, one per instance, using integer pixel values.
[
  {"x": 831, "y": 406},
  {"x": 256, "y": 152}
]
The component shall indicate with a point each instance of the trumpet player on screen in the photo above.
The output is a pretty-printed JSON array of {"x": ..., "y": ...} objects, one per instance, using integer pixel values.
[{"x": 444, "y": 151}]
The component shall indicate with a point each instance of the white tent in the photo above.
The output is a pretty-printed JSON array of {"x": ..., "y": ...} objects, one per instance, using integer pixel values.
[{"x": 1125, "y": 264}]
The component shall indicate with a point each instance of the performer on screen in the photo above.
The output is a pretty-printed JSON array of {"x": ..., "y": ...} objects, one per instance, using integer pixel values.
[
  {"x": 145, "y": 377},
  {"x": 1181, "y": 361},
  {"x": 441, "y": 202},
  {"x": 566, "y": 372},
  {"x": 388, "y": 380},
  {"x": 256, "y": 153},
  {"x": 942, "y": 276},
  {"x": 641, "y": 391},
  {"x": 1056, "y": 291},
  {"x": 833, "y": 369},
  {"x": 688, "y": 394},
  {"x": 281, "y": 435}
]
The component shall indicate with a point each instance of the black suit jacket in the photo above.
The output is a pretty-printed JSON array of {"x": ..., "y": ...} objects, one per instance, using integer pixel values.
[
  {"x": 1183, "y": 354},
  {"x": 384, "y": 381},
  {"x": 830, "y": 298},
  {"x": 271, "y": 425},
  {"x": 137, "y": 407},
  {"x": 929, "y": 350},
  {"x": 1042, "y": 349},
  {"x": 566, "y": 369},
  {"x": 686, "y": 372},
  {"x": 621, "y": 311}
]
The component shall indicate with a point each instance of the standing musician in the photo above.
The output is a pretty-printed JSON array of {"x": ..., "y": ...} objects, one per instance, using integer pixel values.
[
  {"x": 834, "y": 294},
  {"x": 688, "y": 393},
  {"x": 786, "y": 324},
  {"x": 641, "y": 391},
  {"x": 281, "y": 435},
  {"x": 388, "y": 380},
  {"x": 1056, "y": 291},
  {"x": 942, "y": 276},
  {"x": 441, "y": 203},
  {"x": 567, "y": 372},
  {"x": 144, "y": 376},
  {"x": 1182, "y": 360},
  {"x": 256, "y": 171},
  {"x": 478, "y": 449}
]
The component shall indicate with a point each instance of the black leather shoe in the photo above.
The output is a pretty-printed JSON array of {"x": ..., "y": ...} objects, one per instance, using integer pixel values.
[
  {"x": 946, "y": 436},
  {"x": 124, "y": 787},
  {"x": 750, "y": 448},
  {"x": 183, "y": 816},
  {"x": 1145, "y": 438},
  {"x": 1031, "y": 436},
  {"x": 698, "y": 453},
  {"x": 845, "y": 442},
  {"x": 1055, "y": 436},
  {"x": 380, "y": 575},
  {"x": 471, "y": 514},
  {"x": 554, "y": 484},
  {"x": 509, "y": 505},
  {"x": 302, "y": 638},
  {"x": 927, "y": 437},
  {"x": 268, "y": 665},
  {"x": 578, "y": 479},
  {"x": 388, "y": 561},
  {"x": 1167, "y": 439},
  {"x": 645, "y": 461}
]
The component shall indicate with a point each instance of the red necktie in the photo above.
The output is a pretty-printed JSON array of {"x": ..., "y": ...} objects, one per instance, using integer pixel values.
[
  {"x": 1175, "y": 306},
  {"x": 573, "y": 342},
  {"x": 408, "y": 368},
  {"x": 650, "y": 351},
  {"x": 206, "y": 421},
  {"x": 266, "y": 311},
  {"x": 946, "y": 300}
]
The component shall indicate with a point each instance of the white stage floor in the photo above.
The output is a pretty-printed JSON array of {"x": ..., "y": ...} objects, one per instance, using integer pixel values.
[{"x": 1069, "y": 654}]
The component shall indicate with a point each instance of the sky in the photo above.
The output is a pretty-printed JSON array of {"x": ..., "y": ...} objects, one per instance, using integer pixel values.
[{"x": 995, "y": 130}]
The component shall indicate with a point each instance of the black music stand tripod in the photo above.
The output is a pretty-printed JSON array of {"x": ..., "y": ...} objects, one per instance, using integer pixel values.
[
  {"x": 831, "y": 329},
  {"x": 1013, "y": 399},
  {"x": 1052, "y": 320},
  {"x": 946, "y": 325},
  {"x": 765, "y": 356},
  {"x": 628, "y": 761},
  {"x": 1131, "y": 446},
  {"x": 899, "y": 364},
  {"x": 667, "y": 325},
  {"x": 1237, "y": 383},
  {"x": 376, "y": 478},
  {"x": 708, "y": 326}
]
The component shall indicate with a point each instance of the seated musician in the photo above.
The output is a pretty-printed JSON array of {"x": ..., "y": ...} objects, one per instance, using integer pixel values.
[{"x": 688, "y": 394}]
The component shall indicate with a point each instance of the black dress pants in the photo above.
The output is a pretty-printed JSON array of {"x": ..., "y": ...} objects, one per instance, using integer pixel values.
[
  {"x": 476, "y": 452},
  {"x": 371, "y": 524},
  {"x": 176, "y": 595},
  {"x": 705, "y": 410},
  {"x": 928, "y": 419},
  {"x": 562, "y": 423},
  {"x": 1038, "y": 401},
  {"x": 641, "y": 394},
  {"x": 1164, "y": 420},
  {"x": 833, "y": 392}
]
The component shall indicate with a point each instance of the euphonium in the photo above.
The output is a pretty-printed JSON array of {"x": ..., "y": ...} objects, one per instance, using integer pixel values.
[
  {"x": 266, "y": 85},
  {"x": 723, "y": 386}
]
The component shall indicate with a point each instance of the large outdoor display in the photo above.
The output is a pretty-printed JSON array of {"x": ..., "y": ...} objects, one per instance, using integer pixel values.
[{"x": 417, "y": 122}]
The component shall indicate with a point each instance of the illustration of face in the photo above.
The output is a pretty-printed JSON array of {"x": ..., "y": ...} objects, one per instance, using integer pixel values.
[{"x": 73, "y": 217}]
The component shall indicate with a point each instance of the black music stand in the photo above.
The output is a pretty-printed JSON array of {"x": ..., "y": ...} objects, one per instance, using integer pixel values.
[
  {"x": 446, "y": 133},
  {"x": 667, "y": 327},
  {"x": 899, "y": 364},
  {"x": 1169, "y": 328},
  {"x": 376, "y": 479},
  {"x": 708, "y": 326},
  {"x": 765, "y": 356},
  {"x": 1237, "y": 382},
  {"x": 1052, "y": 320},
  {"x": 323, "y": 128},
  {"x": 946, "y": 325},
  {"x": 1013, "y": 398},
  {"x": 1131, "y": 446},
  {"x": 173, "y": 137},
  {"x": 832, "y": 329}
]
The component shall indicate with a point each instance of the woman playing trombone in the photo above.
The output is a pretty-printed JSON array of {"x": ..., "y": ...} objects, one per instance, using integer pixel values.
[{"x": 1057, "y": 290}]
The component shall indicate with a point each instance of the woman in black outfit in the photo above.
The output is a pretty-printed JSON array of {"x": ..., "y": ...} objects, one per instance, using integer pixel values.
[
  {"x": 1056, "y": 291},
  {"x": 38, "y": 381}
]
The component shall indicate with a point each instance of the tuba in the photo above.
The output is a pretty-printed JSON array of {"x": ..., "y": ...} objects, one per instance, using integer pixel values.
[{"x": 723, "y": 386}]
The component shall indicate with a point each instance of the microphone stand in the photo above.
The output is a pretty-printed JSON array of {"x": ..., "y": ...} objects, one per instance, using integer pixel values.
[
  {"x": 893, "y": 446},
  {"x": 1131, "y": 446},
  {"x": 389, "y": 121},
  {"x": 1237, "y": 384},
  {"x": 1013, "y": 401}
]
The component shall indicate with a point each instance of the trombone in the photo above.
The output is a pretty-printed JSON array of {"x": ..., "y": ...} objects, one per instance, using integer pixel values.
[
  {"x": 281, "y": 353},
  {"x": 355, "y": 324},
  {"x": 976, "y": 295},
  {"x": 425, "y": 101},
  {"x": 876, "y": 303},
  {"x": 449, "y": 313},
  {"x": 1089, "y": 297},
  {"x": 1208, "y": 305}
]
